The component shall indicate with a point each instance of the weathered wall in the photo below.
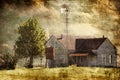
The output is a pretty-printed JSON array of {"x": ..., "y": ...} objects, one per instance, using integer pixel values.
[
  {"x": 61, "y": 56},
  {"x": 104, "y": 52},
  {"x": 92, "y": 60}
]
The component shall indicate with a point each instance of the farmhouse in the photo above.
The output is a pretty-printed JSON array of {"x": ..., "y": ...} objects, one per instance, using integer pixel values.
[
  {"x": 67, "y": 50},
  {"x": 94, "y": 52}
]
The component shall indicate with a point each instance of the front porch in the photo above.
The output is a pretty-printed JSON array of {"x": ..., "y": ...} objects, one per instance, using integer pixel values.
[{"x": 79, "y": 59}]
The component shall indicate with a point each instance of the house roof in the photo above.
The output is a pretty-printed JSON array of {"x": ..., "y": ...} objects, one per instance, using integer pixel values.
[
  {"x": 77, "y": 43},
  {"x": 86, "y": 45},
  {"x": 67, "y": 41}
]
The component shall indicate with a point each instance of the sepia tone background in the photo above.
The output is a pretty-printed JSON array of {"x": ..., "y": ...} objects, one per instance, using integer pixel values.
[{"x": 87, "y": 18}]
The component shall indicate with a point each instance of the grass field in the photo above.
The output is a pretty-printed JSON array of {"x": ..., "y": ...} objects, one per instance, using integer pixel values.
[{"x": 67, "y": 73}]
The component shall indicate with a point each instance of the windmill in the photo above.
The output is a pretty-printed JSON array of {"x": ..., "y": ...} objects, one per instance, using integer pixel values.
[{"x": 65, "y": 10}]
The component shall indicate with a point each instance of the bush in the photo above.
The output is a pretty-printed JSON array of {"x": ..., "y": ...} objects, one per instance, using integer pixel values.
[{"x": 8, "y": 61}]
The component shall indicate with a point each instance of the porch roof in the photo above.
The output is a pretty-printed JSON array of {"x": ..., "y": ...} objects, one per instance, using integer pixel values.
[{"x": 78, "y": 54}]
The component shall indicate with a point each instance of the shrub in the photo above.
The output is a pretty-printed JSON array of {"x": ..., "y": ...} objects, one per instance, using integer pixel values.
[{"x": 8, "y": 61}]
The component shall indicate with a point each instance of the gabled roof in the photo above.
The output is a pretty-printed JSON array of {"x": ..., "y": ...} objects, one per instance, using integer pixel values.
[
  {"x": 67, "y": 41},
  {"x": 89, "y": 44},
  {"x": 78, "y": 44}
]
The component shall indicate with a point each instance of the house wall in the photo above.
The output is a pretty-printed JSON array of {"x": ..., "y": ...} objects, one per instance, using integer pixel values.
[
  {"x": 106, "y": 54},
  {"x": 82, "y": 61},
  {"x": 49, "y": 63},
  {"x": 78, "y": 60},
  {"x": 61, "y": 56},
  {"x": 91, "y": 60}
]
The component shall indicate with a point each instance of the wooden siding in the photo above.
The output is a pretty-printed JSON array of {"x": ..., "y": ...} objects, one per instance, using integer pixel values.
[
  {"x": 61, "y": 54},
  {"x": 104, "y": 56},
  {"x": 103, "y": 53},
  {"x": 92, "y": 60},
  {"x": 89, "y": 60}
]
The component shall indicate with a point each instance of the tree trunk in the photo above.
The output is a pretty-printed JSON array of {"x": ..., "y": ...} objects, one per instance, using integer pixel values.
[{"x": 30, "y": 65}]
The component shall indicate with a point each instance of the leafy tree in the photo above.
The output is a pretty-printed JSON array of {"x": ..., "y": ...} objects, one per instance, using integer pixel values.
[{"x": 31, "y": 41}]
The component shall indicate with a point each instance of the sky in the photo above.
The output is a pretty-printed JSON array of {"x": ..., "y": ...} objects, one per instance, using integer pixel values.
[{"x": 93, "y": 18}]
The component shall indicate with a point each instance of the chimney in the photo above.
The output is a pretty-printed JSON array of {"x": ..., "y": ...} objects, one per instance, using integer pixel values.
[
  {"x": 103, "y": 36},
  {"x": 60, "y": 37}
]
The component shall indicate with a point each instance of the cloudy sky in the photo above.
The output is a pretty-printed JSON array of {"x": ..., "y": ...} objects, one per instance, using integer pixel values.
[{"x": 93, "y": 18}]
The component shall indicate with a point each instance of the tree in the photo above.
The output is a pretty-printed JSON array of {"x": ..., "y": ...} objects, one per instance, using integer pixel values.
[{"x": 31, "y": 41}]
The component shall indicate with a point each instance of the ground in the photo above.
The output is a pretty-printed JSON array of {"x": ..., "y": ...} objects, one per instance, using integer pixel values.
[{"x": 67, "y": 73}]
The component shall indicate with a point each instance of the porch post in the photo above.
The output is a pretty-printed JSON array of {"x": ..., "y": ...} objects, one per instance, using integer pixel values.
[{"x": 76, "y": 60}]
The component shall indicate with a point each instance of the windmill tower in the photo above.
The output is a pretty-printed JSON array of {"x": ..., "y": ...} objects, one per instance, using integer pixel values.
[{"x": 65, "y": 10}]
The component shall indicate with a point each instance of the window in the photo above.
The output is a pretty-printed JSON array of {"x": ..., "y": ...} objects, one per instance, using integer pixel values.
[
  {"x": 103, "y": 59},
  {"x": 110, "y": 59}
]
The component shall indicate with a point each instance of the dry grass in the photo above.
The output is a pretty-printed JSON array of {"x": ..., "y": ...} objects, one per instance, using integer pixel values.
[{"x": 68, "y": 73}]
